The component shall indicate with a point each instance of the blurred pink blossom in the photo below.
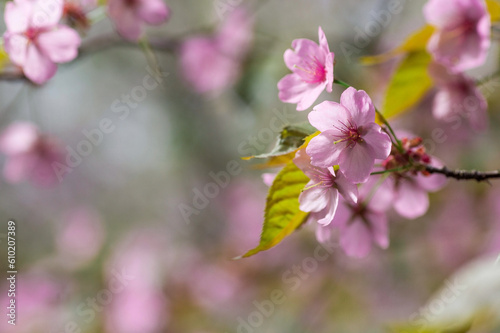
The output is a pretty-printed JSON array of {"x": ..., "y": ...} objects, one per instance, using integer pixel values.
[
  {"x": 458, "y": 95},
  {"x": 35, "y": 40},
  {"x": 129, "y": 16},
  {"x": 141, "y": 306},
  {"x": 212, "y": 63},
  {"x": 361, "y": 224},
  {"x": 462, "y": 37},
  {"x": 81, "y": 236},
  {"x": 321, "y": 195},
  {"x": 349, "y": 136},
  {"x": 312, "y": 67},
  {"x": 30, "y": 154}
]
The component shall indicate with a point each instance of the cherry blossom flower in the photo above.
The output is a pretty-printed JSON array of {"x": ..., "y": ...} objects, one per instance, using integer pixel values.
[
  {"x": 363, "y": 223},
  {"x": 410, "y": 188},
  {"x": 458, "y": 95},
  {"x": 349, "y": 136},
  {"x": 35, "y": 40},
  {"x": 321, "y": 194},
  {"x": 129, "y": 16},
  {"x": 312, "y": 67},
  {"x": 30, "y": 154},
  {"x": 212, "y": 63},
  {"x": 462, "y": 37}
]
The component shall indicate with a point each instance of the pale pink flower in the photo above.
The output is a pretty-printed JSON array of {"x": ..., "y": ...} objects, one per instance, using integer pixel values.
[
  {"x": 80, "y": 237},
  {"x": 312, "y": 67},
  {"x": 212, "y": 63},
  {"x": 458, "y": 95},
  {"x": 129, "y": 16},
  {"x": 349, "y": 136},
  {"x": 321, "y": 195},
  {"x": 462, "y": 37},
  {"x": 35, "y": 40},
  {"x": 30, "y": 154},
  {"x": 361, "y": 224},
  {"x": 268, "y": 178}
]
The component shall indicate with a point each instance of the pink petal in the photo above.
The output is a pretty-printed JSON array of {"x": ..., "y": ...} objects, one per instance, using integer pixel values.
[
  {"x": 46, "y": 13},
  {"x": 359, "y": 105},
  {"x": 383, "y": 198},
  {"x": 379, "y": 228},
  {"x": 305, "y": 51},
  {"x": 434, "y": 182},
  {"x": 17, "y": 16},
  {"x": 356, "y": 163},
  {"x": 379, "y": 142},
  {"x": 346, "y": 188},
  {"x": 356, "y": 239},
  {"x": 323, "y": 152},
  {"x": 18, "y": 167},
  {"x": 328, "y": 213},
  {"x": 153, "y": 12},
  {"x": 444, "y": 103},
  {"x": 60, "y": 45},
  {"x": 38, "y": 68},
  {"x": 326, "y": 115},
  {"x": 292, "y": 89},
  {"x": 313, "y": 199},
  {"x": 330, "y": 60},
  {"x": 324, "y": 233},
  {"x": 17, "y": 47},
  {"x": 18, "y": 138},
  {"x": 125, "y": 20},
  {"x": 323, "y": 42},
  {"x": 412, "y": 201},
  {"x": 235, "y": 35},
  {"x": 442, "y": 14}
]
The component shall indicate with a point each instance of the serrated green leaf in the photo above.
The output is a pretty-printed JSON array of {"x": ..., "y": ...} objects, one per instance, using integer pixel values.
[
  {"x": 408, "y": 85},
  {"x": 282, "y": 214},
  {"x": 417, "y": 41},
  {"x": 289, "y": 140}
]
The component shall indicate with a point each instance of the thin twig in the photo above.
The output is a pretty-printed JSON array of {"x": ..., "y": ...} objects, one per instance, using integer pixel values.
[{"x": 464, "y": 174}]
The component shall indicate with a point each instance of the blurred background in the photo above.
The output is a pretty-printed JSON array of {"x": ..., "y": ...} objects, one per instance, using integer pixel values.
[{"x": 125, "y": 243}]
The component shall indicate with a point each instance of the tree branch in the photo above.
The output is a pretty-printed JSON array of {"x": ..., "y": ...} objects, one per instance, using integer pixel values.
[
  {"x": 98, "y": 44},
  {"x": 464, "y": 174}
]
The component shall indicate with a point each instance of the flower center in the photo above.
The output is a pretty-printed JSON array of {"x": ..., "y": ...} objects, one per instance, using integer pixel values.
[
  {"x": 350, "y": 133},
  {"x": 313, "y": 71},
  {"x": 32, "y": 33}
]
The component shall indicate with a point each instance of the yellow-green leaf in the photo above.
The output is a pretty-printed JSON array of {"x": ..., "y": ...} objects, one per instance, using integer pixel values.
[
  {"x": 408, "y": 85},
  {"x": 282, "y": 214},
  {"x": 494, "y": 10},
  {"x": 415, "y": 42}
]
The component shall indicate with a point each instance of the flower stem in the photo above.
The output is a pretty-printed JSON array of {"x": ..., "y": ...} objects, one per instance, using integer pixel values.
[{"x": 404, "y": 168}]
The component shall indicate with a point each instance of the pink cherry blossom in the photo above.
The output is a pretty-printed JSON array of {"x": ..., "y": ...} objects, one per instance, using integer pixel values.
[
  {"x": 212, "y": 63},
  {"x": 321, "y": 195},
  {"x": 35, "y": 40},
  {"x": 458, "y": 95},
  {"x": 312, "y": 67},
  {"x": 462, "y": 37},
  {"x": 363, "y": 223},
  {"x": 129, "y": 16},
  {"x": 349, "y": 136},
  {"x": 30, "y": 154}
]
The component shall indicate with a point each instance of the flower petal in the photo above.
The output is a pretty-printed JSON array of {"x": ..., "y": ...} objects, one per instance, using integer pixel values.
[
  {"x": 327, "y": 115},
  {"x": 346, "y": 188},
  {"x": 412, "y": 201},
  {"x": 38, "y": 67},
  {"x": 356, "y": 163},
  {"x": 153, "y": 12},
  {"x": 46, "y": 13},
  {"x": 60, "y": 45},
  {"x": 17, "y": 16},
  {"x": 323, "y": 152},
  {"x": 379, "y": 142},
  {"x": 313, "y": 198},
  {"x": 356, "y": 239},
  {"x": 360, "y": 106},
  {"x": 328, "y": 213},
  {"x": 292, "y": 89},
  {"x": 16, "y": 46},
  {"x": 379, "y": 228}
]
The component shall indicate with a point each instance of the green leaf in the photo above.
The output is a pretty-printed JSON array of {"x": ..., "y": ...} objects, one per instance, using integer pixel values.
[
  {"x": 409, "y": 84},
  {"x": 282, "y": 215},
  {"x": 413, "y": 43},
  {"x": 291, "y": 138}
]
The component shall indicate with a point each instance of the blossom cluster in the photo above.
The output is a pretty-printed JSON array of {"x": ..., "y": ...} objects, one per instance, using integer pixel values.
[{"x": 351, "y": 150}]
